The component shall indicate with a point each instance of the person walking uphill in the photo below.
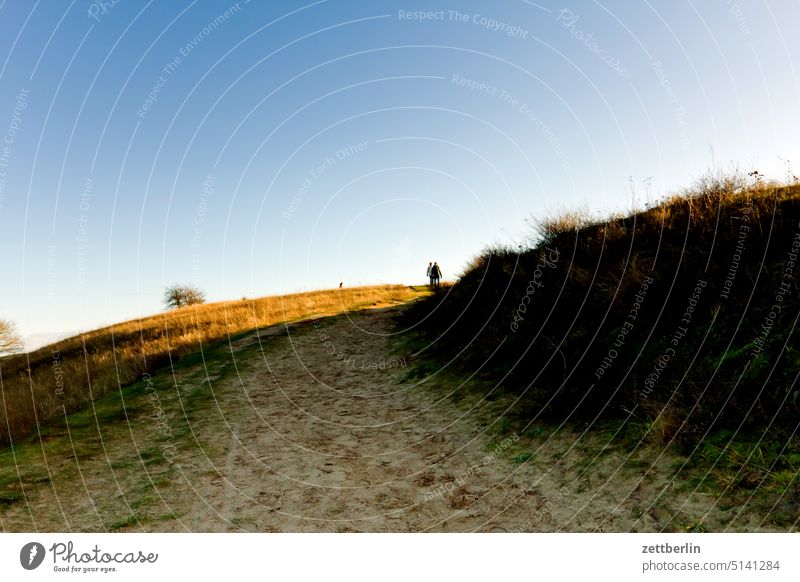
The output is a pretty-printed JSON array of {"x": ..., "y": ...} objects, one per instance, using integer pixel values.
[
  {"x": 436, "y": 275},
  {"x": 429, "y": 273}
]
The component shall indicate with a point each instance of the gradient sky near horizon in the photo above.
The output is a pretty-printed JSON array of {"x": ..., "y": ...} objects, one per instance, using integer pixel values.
[{"x": 258, "y": 148}]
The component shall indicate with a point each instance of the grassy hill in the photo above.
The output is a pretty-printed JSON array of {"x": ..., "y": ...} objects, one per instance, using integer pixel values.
[
  {"x": 679, "y": 320},
  {"x": 45, "y": 385},
  {"x": 643, "y": 368}
]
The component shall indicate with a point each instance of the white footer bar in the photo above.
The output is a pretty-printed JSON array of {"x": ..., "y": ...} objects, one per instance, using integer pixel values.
[{"x": 417, "y": 557}]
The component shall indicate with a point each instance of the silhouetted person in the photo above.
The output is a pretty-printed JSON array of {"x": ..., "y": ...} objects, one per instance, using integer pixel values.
[
  {"x": 429, "y": 273},
  {"x": 340, "y": 284},
  {"x": 436, "y": 275}
]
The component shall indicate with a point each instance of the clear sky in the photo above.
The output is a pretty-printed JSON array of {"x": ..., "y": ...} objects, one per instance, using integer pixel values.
[{"x": 259, "y": 148}]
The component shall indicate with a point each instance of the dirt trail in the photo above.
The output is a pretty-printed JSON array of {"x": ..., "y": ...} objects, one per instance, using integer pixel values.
[{"x": 321, "y": 429}]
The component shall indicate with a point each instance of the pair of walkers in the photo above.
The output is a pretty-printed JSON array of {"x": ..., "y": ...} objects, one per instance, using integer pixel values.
[{"x": 434, "y": 274}]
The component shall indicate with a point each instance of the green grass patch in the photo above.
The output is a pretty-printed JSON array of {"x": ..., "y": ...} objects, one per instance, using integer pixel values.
[{"x": 130, "y": 521}]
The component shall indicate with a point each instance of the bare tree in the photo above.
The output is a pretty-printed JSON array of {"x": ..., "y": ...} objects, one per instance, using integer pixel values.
[
  {"x": 10, "y": 342},
  {"x": 176, "y": 296}
]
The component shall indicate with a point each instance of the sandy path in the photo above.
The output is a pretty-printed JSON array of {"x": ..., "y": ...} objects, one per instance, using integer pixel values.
[
  {"x": 320, "y": 430},
  {"x": 329, "y": 441}
]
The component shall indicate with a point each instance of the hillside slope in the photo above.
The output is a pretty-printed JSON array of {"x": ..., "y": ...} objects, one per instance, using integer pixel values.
[
  {"x": 682, "y": 315},
  {"x": 675, "y": 326},
  {"x": 42, "y": 387}
]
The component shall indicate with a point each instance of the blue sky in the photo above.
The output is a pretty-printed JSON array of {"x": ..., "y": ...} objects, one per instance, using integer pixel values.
[{"x": 259, "y": 148}]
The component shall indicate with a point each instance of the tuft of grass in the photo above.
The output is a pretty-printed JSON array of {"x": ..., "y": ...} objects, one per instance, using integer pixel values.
[
  {"x": 565, "y": 223},
  {"x": 503, "y": 425},
  {"x": 521, "y": 458},
  {"x": 130, "y": 521}
]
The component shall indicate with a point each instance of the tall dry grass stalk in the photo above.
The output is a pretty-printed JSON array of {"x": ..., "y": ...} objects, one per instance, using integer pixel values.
[{"x": 38, "y": 387}]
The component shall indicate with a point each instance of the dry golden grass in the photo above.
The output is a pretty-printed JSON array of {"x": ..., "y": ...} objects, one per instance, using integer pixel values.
[
  {"x": 568, "y": 221},
  {"x": 65, "y": 376}
]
